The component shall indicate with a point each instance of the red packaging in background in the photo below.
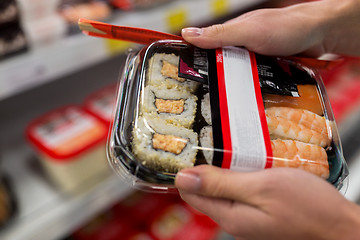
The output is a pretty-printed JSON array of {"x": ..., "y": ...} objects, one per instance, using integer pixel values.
[
  {"x": 343, "y": 87},
  {"x": 101, "y": 103},
  {"x": 140, "y": 206},
  {"x": 70, "y": 143},
  {"x": 136, "y": 4},
  {"x": 71, "y": 11},
  {"x": 179, "y": 221},
  {"x": 107, "y": 226},
  {"x": 149, "y": 216}
]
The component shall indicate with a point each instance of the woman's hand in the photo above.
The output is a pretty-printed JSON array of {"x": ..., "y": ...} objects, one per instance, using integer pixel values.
[
  {"x": 276, "y": 204},
  {"x": 312, "y": 29}
]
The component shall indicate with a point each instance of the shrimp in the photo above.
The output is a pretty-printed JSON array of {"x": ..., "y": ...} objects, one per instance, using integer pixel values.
[
  {"x": 300, "y": 116},
  {"x": 286, "y": 129},
  {"x": 305, "y": 156}
]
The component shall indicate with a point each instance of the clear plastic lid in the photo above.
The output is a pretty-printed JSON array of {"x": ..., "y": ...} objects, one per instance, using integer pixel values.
[{"x": 179, "y": 106}]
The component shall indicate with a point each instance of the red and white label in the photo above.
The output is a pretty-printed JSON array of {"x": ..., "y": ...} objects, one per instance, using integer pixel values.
[{"x": 246, "y": 138}]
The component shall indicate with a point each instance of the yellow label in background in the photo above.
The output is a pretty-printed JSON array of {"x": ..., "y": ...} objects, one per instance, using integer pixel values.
[
  {"x": 219, "y": 7},
  {"x": 176, "y": 19},
  {"x": 117, "y": 46}
]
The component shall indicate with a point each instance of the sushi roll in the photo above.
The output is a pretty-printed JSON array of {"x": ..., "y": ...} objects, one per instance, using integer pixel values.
[
  {"x": 173, "y": 105},
  {"x": 162, "y": 146},
  {"x": 207, "y": 143},
  {"x": 163, "y": 70},
  {"x": 205, "y": 108}
]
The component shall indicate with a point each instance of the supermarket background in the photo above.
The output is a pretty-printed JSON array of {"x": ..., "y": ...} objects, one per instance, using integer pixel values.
[{"x": 48, "y": 68}]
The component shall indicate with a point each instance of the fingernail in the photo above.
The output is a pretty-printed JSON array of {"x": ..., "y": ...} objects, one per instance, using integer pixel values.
[
  {"x": 187, "y": 181},
  {"x": 191, "y": 32}
]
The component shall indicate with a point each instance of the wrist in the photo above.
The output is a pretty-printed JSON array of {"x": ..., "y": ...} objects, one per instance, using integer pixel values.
[
  {"x": 354, "y": 230},
  {"x": 349, "y": 227},
  {"x": 341, "y": 21}
]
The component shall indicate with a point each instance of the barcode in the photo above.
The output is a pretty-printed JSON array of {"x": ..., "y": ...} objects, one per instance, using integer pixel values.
[{"x": 235, "y": 54}]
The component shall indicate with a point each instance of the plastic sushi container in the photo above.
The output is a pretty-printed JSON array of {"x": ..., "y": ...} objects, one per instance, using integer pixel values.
[
  {"x": 71, "y": 145},
  {"x": 179, "y": 106}
]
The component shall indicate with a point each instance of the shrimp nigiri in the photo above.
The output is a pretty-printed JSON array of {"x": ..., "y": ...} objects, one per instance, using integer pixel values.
[
  {"x": 305, "y": 156},
  {"x": 304, "y": 117},
  {"x": 286, "y": 129}
]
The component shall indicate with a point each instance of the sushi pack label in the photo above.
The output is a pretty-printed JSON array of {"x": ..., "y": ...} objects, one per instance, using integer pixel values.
[
  {"x": 193, "y": 64},
  {"x": 278, "y": 77},
  {"x": 236, "y": 95}
]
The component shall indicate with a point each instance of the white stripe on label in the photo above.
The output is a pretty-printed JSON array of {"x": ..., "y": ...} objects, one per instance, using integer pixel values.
[{"x": 248, "y": 145}]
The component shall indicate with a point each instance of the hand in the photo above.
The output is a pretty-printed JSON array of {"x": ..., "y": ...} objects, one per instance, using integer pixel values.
[
  {"x": 272, "y": 204},
  {"x": 312, "y": 29}
]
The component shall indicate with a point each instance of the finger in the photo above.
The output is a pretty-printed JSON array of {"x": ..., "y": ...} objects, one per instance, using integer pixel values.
[
  {"x": 214, "y": 36},
  {"x": 211, "y": 207},
  {"x": 255, "y": 31},
  {"x": 233, "y": 217},
  {"x": 216, "y": 182},
  {"x": 247, "y": 30}
]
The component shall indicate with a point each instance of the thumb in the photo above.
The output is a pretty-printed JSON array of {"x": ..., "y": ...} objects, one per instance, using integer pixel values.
[
  {"x": 214, "y": 36},
  {"x": 216, "y": 182}
]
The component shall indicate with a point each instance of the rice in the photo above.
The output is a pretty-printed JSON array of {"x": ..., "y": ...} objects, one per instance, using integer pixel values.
[
  {"x": 156, "y": 77},
  {"x": 150, "y": 148},
  {"x": 207, "y": 143},
  {"x": 205, "y": 108},
  {"x": 172, "y": 105}
]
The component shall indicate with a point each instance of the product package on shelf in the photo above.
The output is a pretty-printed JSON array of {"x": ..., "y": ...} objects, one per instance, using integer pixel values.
[
  {"x": 45, "y": 30},
  {"x": 70, "y": 143},
  {"x": 179, "y": 106},
  {"x": 149, "y": 216},
  {"x": 12, "y": 37},
  {"x": 136, "y": 4},
  {"x": 343, "y": 87},
  {"x": 32, "y": 10},
  {"x": 72, "y": 10},
  {"x": 101, "y": 103},
  {"x": 12, "y": 40},
  {"x": 8, "y": 205},
  {"x": 9, "y": 11},
  {"x": 41, "y": 21}
]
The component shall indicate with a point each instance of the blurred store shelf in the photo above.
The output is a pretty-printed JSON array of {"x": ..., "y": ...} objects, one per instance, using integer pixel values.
[
  {"x": 45, "y": 213},
  {"x": 73, "y": 53}
]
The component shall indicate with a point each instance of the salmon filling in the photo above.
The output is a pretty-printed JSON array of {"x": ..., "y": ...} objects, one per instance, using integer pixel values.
[
  {"x": 169, "y": 106},
  {"x": 170, "y": 70},
  {"x": 169, "y": 143}
]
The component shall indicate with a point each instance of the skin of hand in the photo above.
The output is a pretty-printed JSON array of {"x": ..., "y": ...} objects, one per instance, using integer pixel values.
[
  {"x": 311, "y": 29},
  {"x": 272, "y": 204}
]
